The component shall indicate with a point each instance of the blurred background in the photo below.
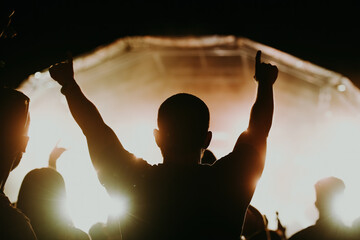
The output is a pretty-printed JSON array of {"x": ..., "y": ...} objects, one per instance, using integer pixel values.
[
  {"x": 314, "y": 134},
  {"x": 322, "y": 32},
  {"x": 130, "y": 56}
]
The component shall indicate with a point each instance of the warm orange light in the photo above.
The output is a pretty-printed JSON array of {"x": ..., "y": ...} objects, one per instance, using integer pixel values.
[{"x": 315, "y": 130}]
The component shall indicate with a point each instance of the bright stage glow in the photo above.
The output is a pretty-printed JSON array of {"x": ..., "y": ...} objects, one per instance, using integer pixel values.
[
  {"x": 332, "y": 151},
  {"x": 341, "y": 88},
  {"x": 87, "y": 200},
  {"x": 315, "y": 131},
  {"x": 344, "y": 207},
  {"x": 118, "y": 206},
  {"x": 286, "y": 186},
  {"x": 37, "y": 75}
]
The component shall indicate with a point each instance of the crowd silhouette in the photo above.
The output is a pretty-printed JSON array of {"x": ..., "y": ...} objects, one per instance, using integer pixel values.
[
  {"x": 42, "y": 198},
  {"x": 191, "y": 195},
  {"x": 328, "y": 226},
  {"x": 164, "y": 196},
  {"x": 14, "y": 123}
]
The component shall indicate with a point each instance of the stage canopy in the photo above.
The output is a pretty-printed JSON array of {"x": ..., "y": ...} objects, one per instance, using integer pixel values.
[{"x": 315, "y": 131}]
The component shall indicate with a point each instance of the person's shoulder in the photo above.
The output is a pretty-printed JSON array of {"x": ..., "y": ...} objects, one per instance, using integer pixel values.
[
  {"x": 306, "y": 233},
  {"x": 79, "y": 234},
  {"x": 9, "y": 213},
  {"x": 243, "y": 152},
  {"x": 245, "y": 148},
  {"x": 13, "y": 222}
]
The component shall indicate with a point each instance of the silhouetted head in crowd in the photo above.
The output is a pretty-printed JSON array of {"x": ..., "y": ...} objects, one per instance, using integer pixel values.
[
  {"x": 42, "y": 197},
  {"x": 254, "y": 224},
  {"x": 327, "y": 190},
  {"x": 182, "y": 134},
  {"x": 14, "y": 123},
  {"x": 98, "y": 231}
]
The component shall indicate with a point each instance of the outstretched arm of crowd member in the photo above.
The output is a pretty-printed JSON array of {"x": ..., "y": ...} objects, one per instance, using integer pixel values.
[
  {"x": 263, "y": 108},
  {"x": 106, "y": 151},
  {"x": 54, "y": 156},
  {"x": 84, "y": 112},
  {"x": 261, "y": 115}
]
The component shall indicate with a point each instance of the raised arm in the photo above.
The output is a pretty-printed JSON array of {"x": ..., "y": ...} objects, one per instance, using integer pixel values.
[
  {"x": 84, "y": 112},
  {"x": 244, "y": 165},
  {"x": 261, "y": 114},
  {"x": 54, "y": 156},
  {"x": 107, "y": 154},
  {"x": 263, "y": 108}
]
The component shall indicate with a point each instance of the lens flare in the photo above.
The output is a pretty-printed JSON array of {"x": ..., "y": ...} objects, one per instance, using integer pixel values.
[
  {"x": 315, "y": 131},
  {"x": 118, "y": 206}
]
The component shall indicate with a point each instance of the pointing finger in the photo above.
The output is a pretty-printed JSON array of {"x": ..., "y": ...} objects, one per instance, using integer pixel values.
[
  {"x": 69, "y": 57},
  {"x": 257, "y": 61},
  {"x": 258, "y": 57}
]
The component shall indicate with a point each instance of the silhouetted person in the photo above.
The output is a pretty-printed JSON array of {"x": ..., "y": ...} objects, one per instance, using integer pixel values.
[
  {"x": 98, "y": 231},
  {"x": 254, "y": 225},
  {"x": 42, "y": 197},
  {"x": 281, "y": 230},
  {"x": 109, "y": 230},
  {"x": 208, "y": 157},
  {"x": 174, "y": 200},
  {"x": 328, "y": 226},
  {"x": 14, "y": 123}
]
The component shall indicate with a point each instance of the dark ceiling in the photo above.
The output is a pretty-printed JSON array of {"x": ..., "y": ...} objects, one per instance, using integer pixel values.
[{"x": 322, "y": 32}]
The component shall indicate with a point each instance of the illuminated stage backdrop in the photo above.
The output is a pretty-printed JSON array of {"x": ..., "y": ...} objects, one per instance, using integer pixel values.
[{"x": 315, "y": 130}]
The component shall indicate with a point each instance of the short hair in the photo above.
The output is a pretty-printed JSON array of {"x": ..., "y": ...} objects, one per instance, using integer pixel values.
[
  {"x": 328, "y": 187},
  {"x": 41, "y": 188},
  {"x": 14, "y": 112},
  {"x": 184, "y": 119}
]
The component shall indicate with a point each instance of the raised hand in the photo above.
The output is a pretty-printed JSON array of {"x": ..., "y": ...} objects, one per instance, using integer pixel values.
[
  {"x": 55, "y": 154},
  {"x": 264, "y": 72},
  {"x": 63, "y": 72}
]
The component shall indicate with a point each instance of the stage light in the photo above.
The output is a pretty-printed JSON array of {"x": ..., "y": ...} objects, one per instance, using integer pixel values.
[
  {"x": 341, "y": 88},
  {"x": 118, "y": 206},
  {"x": 345, "y": 208},
  {"x": 38, "y": 75},
  {"x": 315, "y": 131}
]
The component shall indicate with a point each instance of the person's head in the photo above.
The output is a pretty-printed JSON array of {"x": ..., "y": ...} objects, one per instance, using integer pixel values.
[
  {"x": 14, "y": 123},
  {"x": 183, "y": 123},
  {"x": 42, "y": 197},
  {"x": 98, "y": 231},
  {"x": 327, "y": 190},
  {"x": 254, "y": 224}
]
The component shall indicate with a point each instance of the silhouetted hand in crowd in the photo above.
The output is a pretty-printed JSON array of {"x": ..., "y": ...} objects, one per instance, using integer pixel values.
[
  {"x": 329, "y": 225},
  {"x": 54, "y": 155},
  {"x": 264, "y": 72},
  {"x": 63, "y": 72}
]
